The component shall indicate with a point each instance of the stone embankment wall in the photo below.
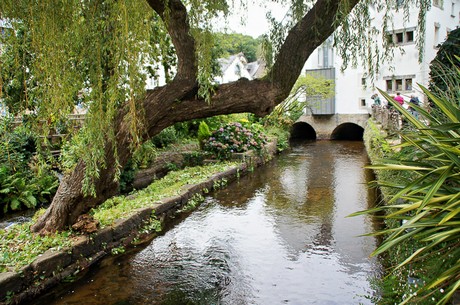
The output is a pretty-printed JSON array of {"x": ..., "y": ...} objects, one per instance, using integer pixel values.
[{"x": 54, "y": 266}]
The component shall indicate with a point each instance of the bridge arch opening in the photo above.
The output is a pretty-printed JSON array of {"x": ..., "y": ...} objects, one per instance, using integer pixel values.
[
  {"x": 302, "y": 131},
  {"x": 348, "y": 131}
]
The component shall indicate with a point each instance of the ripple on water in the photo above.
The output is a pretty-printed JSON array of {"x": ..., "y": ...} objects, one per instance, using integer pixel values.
[{"x": 278, "y": 236}]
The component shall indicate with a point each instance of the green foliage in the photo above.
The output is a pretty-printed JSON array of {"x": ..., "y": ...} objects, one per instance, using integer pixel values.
[
  {"x": 50, "y": 48},
  {"x": 165, "y": 137},
  {"x": 100, "y": 78},
  {"x": 281, "y": 134},
  {"x": 16, "y": 191},
  {"x": 25, "y": 181},
  {"x": 72, "y": 149},
  {"x": 118, "y": 250},
  {"x": 170, "y": 185},
  {"x": 194, "y": 158},
  {"x": 127, "y": 177},
  {"x": 231, "y": 44},
  {"x": 146, "y": 153},
  {"x": 24, "y": 190},
  {"x": 424, "y": 211},
  {"x": 153, "y": 225},
  {"x": 307, "y": 90},
  {"x": 20, "y": 247},
  {"x": 16, "y": 59},
  {"x": 192, "y": 203},
  {"x": 234, "y": 138},
  {"x": 203, "y": 133}
]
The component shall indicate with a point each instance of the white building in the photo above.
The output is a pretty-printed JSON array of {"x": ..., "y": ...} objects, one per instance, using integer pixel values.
[
  {"x": 353, "y": 87},
  {"x": 232, "y": 69}
]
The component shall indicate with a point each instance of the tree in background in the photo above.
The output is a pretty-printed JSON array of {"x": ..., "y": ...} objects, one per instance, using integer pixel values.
[
  {"x": 16, "y": 59},
  {"x": 307, "y": 87},
  {"x": 231, "y": 44},
  {"x": 97, "y": 49}
]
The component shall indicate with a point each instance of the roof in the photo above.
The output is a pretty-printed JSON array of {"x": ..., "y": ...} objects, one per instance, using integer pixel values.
[
  {"x": 256, "y": 68},
  {"x": 226, "y": 62}
]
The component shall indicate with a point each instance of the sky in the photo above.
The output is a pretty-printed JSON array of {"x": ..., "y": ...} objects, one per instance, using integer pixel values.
[{"x": 255, "y": 18}]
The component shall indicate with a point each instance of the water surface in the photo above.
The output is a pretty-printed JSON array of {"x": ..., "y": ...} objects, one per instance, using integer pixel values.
[{"x": 277, "y": 236}]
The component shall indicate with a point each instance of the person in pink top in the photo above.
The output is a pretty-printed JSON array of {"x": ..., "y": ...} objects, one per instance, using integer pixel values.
[{"x": 399, "y": 98}]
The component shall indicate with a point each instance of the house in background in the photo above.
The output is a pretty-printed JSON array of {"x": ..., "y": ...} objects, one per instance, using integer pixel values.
[
  {"x": 233, "y": 68},
  {"x": 353, "y": 87},
  {"x": 257, "y": 69}
]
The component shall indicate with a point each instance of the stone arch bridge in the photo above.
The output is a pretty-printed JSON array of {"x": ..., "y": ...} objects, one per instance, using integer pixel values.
[{"x": 330, "y": 127}]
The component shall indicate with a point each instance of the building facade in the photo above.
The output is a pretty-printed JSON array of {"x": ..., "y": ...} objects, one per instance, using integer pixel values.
[{"x": 354, "y": 88}]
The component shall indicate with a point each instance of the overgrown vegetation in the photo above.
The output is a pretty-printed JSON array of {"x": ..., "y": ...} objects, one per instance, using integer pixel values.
[
  {"x": 170, "y": 185},
  {"x": 422, "y": 210},
  {"x": 20, "y": 247},
  {"x": 26, "y": 180}
]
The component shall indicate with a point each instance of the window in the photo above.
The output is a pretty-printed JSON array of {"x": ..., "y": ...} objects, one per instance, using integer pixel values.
[
  {"x": 401, "y": 37},
  {"x": 238, "y": 70},
  {"x": 438, "y": 3},
  {"x": 410, "y": 36},
  {"x": 326, "y": 53},
  {"x": 399, "y": 83},
  {"x": 362, "y": 102},
  {"x": 363, "y": 81},
  {"x": 390, "y": 85},
  {"x": 325, "y": 56},
  {"x": 437, "y": 27},
  {"x": 452, "y": 9},
  {"x": 408, "y": 84}
]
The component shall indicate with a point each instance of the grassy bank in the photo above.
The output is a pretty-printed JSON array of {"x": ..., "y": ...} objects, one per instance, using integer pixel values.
[{"x": 20, "y": 247}]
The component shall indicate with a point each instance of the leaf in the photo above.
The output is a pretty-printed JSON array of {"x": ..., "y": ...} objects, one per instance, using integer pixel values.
[
  {"x": 5, "y": 191},
  {"x": 15, "y": 204}
]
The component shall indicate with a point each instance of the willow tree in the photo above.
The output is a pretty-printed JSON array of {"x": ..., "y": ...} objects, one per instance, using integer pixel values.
[{"x": 95, "y": 51}]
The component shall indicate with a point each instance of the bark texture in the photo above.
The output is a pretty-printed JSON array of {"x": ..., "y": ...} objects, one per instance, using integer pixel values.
[{"x": 178, "y": 101}]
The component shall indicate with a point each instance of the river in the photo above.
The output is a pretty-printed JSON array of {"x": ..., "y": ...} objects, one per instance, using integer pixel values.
[{"x": 277, "y": 236}]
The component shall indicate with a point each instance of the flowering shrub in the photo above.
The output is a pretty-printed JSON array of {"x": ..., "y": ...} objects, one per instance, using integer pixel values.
[{"x": 234, "y": 138}]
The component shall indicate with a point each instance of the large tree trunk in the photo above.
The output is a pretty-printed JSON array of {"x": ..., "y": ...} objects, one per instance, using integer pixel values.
[{"x": 178, "y": 101}]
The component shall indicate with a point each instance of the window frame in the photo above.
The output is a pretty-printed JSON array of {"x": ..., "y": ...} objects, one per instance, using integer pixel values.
[
  {"x": 438, "y": 3},
  {"x": 401, "y": 37},
  {"x": 399, "y": 83}
]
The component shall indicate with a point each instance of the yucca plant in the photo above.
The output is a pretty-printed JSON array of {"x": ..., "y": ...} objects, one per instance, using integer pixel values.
[{"x": 424, "y": 209}]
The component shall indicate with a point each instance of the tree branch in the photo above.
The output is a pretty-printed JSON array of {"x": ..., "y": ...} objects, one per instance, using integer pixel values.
[
  {"x": 314, "y": 28},
  {"x": 176, "y": 19}
]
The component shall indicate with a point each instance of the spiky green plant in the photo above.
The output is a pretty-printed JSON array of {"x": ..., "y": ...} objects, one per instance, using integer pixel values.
[{"x": 425, "y": 207}]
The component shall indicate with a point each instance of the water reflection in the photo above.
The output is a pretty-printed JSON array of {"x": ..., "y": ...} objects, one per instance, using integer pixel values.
[{"x": 278, "y": 236}]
